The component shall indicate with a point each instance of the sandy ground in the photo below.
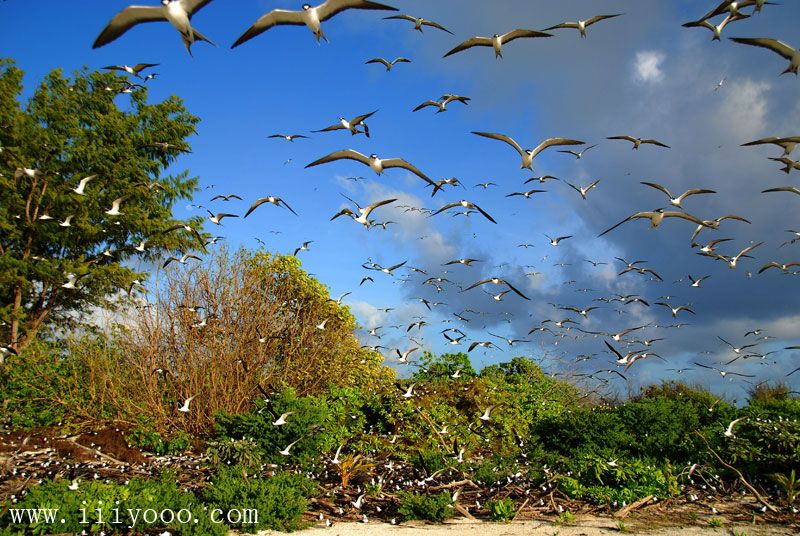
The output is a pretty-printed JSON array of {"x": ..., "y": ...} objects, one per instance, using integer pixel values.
[{"x": 584, "y": 527}]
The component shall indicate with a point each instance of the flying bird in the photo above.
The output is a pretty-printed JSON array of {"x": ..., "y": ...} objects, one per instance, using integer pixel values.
[
  {"x": 377, "y": 165},
  {"x": 134, "y": 70},
  {"x": 496, "y": 281},
  {"x": 185, "y": 407},
  {"x": 496, "y": 41},
  {"x": 676, "y": 201},
  {"x": 277, "y": 201},
  {"x": 313, "y": 17},
  {"x": 656, "y": 217},
  {"x": 177, "y": 12},
  {"x": 288, "y": 137},
  {"x": 583, "y": 190},
  {"x": 791, "y": 189},
  {"x": 779, "y": 47},
  {"x": 465, "y": 204},
  {"x": 578, "y": 154},
  {"x": 529, "y": 154},
  {"x": 442, "y": 103},
  {"x": 419, "y": 22},
  {"x": 82, "y": 184},
  {"x": 363, "y": 213},
  {"x": 581, "y": 25},
  {"x": 638, "y": 141},
  {"x": 788, "y": 144},
  {"x": 716, "y": 29},
  {"x": 386, "y": 63},
  {"x": 351, "y": 125}
]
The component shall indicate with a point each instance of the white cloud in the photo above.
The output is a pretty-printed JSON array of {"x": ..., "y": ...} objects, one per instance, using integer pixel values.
[
  {"x": 648, "y": 66},
  {"x": 744, "y": 112}
]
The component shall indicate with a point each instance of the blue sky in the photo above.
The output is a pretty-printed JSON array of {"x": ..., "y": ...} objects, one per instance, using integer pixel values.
[{"x": 640, "y": 74}]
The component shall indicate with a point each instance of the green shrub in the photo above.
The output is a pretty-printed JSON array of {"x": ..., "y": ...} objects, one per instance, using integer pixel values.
[
  {"x": 594, "y": 479},
  {"x": 143, "y": 436},
  {"x": 501, "y": 509},
  {"x": 242, "y": 452},
  {"x": 280, "y": 500},
  {"x": 434, "y": 508},
  {"x": 79, "y": 508}
]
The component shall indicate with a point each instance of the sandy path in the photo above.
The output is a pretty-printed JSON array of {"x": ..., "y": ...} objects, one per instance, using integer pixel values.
[{"x": 584, "y": 527}]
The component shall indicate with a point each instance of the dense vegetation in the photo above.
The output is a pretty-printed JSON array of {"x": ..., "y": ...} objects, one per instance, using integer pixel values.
[{"x": 248, "y": 337}]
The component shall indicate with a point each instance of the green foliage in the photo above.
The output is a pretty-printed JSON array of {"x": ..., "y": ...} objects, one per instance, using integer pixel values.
[
  {"x": 280, "y": 500},
  {"x": 158, "y": 494},
  {"x": 241, "y": 452},
  {"x": 443, "y": 367},
  {"x": 145, "y": 437},
  {"x": 434, "y": 508},
  {"x": 566, "y": 518},
  {"x": 716, "y": 522},
  {"x": 70, "y": 129},
  {"x": 501, "y": 509},
  {"x": 603, "y": 481},
  {"x": 789, "y": 484}
]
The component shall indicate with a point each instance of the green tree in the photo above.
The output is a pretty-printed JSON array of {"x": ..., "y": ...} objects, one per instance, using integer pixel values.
[{"x": 50, "y": 235}]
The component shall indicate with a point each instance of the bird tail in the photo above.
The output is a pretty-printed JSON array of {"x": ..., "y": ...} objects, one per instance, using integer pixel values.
[{"x": 321, "y": 35}]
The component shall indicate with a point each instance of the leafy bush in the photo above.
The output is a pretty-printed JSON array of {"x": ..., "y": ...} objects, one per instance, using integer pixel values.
[
  {"x": 280, "y": 500},
  {"x": 82, "y": 505},
  {"x": 603, "y": 481},
  {"x": 241, "y": 452},
  {"x": 145, "y": 437},
  {"x": 501, "y": 509},
  {"x": 434, "y": 508}
]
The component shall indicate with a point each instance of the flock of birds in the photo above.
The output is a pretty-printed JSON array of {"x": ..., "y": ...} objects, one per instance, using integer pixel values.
[{"x": 566, "y": 319}]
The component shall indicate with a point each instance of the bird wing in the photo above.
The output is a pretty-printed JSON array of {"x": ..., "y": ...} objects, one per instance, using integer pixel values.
[
  {"x": 516, "y": 34},
  {"x": 369, "y": 208},
  {"x": 400, "y": 163},
  {"x": 613, "y": 349},
  {"x": 509, "y": 285},
  {"x": 563, "y": 25},
  {"x": 628, "y": 138},
  {"x": 598, "y": 18},
  {"x": 193, "y": 6},
  {"x": 273, "y": 18},
  {"x": 748, "y": 249},
  {"x": 127, "y": 19},
  {"x": 550, "y": 142},
  {"x": 792, "y": 189},
  {"x": 396, "y": 266},
  {"x": 629, "y": 218},
  {"x": 424, "y": 104},
  {"x": 446, "y": 207},
  {"x": 651, "y": 141},
  {"x": 502, "y": 137},
  {"x": 486, "y": 215},
  {"x": 658, "y": 187},
  {"x": 773, "y": 44},
  {"x": 436, "y": 25},
  {"x": 695, "y": 191},
  {"x": 330, "y": 8},
  {"x": 476, "y": 41},
  {"x": 255, "y": 205},
  {"x": 285, "y": 204},
  {"x": 684, "y": 215},
  {"x": 378, "y": 60},
  {"x": 476, "y": 284},
  {"x": 345, "y": 154},
  {"x": 359, "y": 119}
]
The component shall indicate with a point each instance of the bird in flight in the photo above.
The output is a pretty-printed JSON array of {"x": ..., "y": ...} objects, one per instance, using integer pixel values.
[
  {"x": 377, "y": 165},
  {"x": 277, "y": 201},
  {"x": 581, "y": 25},
  {"x": 351, "y": 125},
  {"x": 177, "y": 12},
  {"x": 529, "y": 154},
  {"x": 779, "y": 47},
  {"x": 656, "y": 217},
  {"x": 496, "y": 41},
  {"x": 363, "y": 213},
  {"x": 638, "y": 141},
  {"x": 386, "y": 63},
  {"x": 467, "y": 205},
  {"x": 419, "y": 22},
  {"x": 313, "y": 17}
]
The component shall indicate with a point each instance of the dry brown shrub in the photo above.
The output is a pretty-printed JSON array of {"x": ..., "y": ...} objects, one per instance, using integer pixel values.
[{"x": 257, "y": 331}]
